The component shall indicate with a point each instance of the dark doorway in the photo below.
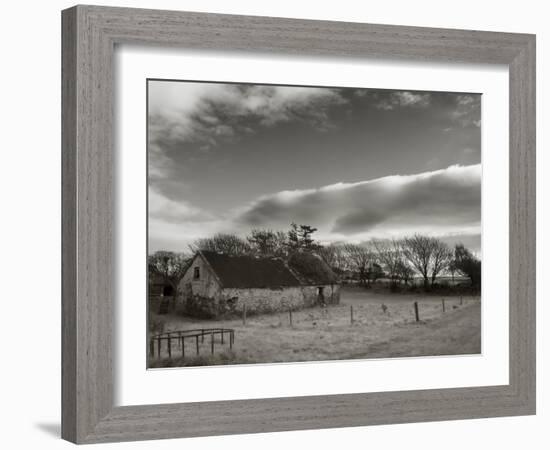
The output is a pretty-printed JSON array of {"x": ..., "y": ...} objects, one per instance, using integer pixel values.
[
  {"x": 321, "y": 295},
  {"x": 168, "y": 291}
]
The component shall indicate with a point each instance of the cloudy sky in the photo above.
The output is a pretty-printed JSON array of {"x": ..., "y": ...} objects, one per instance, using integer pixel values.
[{"x": 354, "y": 163}]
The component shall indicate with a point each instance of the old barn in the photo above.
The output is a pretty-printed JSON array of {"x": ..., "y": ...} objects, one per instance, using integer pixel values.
[{"x": 217, "y": 284}]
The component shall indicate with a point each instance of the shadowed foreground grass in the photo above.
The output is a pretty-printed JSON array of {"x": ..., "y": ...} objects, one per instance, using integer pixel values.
[{"x": 225, "y": 357}]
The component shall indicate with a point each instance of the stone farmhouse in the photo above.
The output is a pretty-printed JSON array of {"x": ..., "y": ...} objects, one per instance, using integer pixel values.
[{"x": 217, "y": 285}]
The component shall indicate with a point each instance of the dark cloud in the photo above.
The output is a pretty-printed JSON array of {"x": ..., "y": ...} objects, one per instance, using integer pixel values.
[
  {"x": 442, "y": 200},
  {"x": 224, "y": 113},
  {"x": 358, "y": 221}
]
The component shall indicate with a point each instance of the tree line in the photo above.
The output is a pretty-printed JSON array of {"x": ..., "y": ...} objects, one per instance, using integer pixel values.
[
  {"x": 261, "y": 242},
  {"x": 399, "y": 260}
]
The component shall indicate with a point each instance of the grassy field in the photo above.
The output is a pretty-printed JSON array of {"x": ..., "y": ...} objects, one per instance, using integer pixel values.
[{"x": 383, "y": 325}]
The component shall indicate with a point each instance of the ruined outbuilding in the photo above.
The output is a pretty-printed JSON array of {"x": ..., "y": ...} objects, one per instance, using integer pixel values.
[{"x": 218, "y": 285}]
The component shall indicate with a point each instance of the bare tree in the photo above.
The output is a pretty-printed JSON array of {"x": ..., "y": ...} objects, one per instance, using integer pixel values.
[
  {"x": 466, "y": 263},
  {"x": 170, "y": 267},
  {"x": 268, "y": 242},
  {"x": 389, "y": 254},
  {"x": 229, "y": 244},
  {"x": 442, "y": 257},
  {"x": 418, "y": 251},
  {"x": 360, "y": 258},
  {"x": 404, "y": 271},
  {"x": 453, "y": 269},
  {"x": 428, "y": 255},
  {"x": 334, "y": 256}
]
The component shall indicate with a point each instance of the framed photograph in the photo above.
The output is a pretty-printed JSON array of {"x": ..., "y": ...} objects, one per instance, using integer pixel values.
[
  {"x": 296, "y": 263},
  {"x": 268, "y": 222}
]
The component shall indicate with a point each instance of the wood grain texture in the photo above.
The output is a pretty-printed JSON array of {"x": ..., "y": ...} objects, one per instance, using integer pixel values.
[
  {"x": 523, "y": 223},
  {"x": 87, "y": 241},
  {"x": 68, "y": 225},
  {"x": 89, "y": 36}
]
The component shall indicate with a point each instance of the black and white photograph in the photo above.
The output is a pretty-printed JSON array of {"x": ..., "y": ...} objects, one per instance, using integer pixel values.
[{"x": 302, "y": 223}]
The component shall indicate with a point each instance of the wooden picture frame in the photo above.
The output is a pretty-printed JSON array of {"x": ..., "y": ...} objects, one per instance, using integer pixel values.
[{"x": 90, "y": 34}]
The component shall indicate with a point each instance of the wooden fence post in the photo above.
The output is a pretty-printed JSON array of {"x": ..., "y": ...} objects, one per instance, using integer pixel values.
[
  {"x": 170, "y": 347},
  {"x": 159, "y": 340},
  {"x": 416, "y": 315},
  {"x": 290, "y": 315},
  {"x": 183, "y": 347},
  {"x": 212, "y": 342},
  {"x": 244, "y": 314},
  {"x": 443, "y": 304},
  {"x": 351, "y": 313},
  {"x": 197, "y": 343}
]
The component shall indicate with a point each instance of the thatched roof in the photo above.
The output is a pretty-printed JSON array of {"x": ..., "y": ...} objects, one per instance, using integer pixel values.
[
  {"x": 250, "y": 271},
  {"x": 312, "y": 269},
  {"x": 302, "y": 269}
]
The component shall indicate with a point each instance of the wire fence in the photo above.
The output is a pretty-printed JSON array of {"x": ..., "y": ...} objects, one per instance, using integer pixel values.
[{"x": 357, "y": 313}]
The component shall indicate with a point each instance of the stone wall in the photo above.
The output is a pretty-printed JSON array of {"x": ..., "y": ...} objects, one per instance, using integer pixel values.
[
  {"x": 231, "y": 301},
  {"x": 264, "y": 300}
]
